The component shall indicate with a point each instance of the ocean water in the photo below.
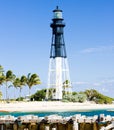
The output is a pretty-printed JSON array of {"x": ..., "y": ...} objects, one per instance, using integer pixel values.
[{"x": 62, "y": 113}]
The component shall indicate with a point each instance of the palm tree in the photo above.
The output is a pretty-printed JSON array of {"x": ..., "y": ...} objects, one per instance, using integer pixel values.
[
  {"x": 1, "y": 70},
  {"x": 23, "y": 81},
  {"x": 1, "y": 75},
  {"x": 16, "y": 84},
  {"x": 66, "y": 85},
  {"x": 8, "y": 77},
  {"x": 1, "y": 78},
  {"x": 32, "y": 80},
  {"x": 20, "y": 82}
]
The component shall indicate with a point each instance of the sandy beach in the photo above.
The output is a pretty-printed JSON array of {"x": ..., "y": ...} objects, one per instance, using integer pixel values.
[{"x": 52, "y": 106}]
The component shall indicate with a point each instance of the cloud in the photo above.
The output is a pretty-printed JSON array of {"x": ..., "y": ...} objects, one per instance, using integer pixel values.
[
  {"x": 98, "y": 49},
  {"x": 108, "y": 80},
  {"x": 104, "y": 86},
  {"x": 96, "y": 84},
  {"x": 80, "y": 83},
  {"x": 104, "y": 90}
]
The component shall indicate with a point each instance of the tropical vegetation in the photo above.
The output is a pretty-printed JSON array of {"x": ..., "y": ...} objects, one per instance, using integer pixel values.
[
  {"x": 93, "y": 95},
  {"x": 88, "y": 95},
  {"x": 9, "y": 79}
]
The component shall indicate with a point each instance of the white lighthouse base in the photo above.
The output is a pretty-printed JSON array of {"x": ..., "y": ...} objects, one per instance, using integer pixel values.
[{"x": 57, "y": 76}]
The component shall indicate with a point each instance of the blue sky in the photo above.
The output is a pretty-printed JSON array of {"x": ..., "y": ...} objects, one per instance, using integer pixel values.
[{"x": 25, "y": 40}]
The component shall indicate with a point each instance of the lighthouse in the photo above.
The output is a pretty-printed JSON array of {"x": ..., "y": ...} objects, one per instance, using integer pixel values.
[{"x": 59, "y": 83}]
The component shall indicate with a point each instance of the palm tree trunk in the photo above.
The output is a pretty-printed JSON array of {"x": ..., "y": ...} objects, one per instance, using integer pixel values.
[
  {"x": 20, "y": 94},
  {"x": 29, "y": 92},
  {"x": 6, "y": 91},
  {"x": 14, "y": 93}
]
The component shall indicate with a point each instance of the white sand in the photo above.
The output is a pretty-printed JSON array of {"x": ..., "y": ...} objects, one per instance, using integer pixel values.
[{"x": 52, "y": 106}]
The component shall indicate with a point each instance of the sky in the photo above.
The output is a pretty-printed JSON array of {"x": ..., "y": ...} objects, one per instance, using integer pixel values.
[{"x": 25, "y": 41}]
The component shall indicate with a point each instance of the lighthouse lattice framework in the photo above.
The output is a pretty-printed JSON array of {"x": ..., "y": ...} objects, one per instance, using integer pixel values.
[{"x": 58, "y": 74}]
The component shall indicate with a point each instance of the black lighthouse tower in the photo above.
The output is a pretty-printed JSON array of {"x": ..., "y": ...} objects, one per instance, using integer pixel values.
[
  {"x": 58, "y": 75},
  {"x": 58, "y": 45}
]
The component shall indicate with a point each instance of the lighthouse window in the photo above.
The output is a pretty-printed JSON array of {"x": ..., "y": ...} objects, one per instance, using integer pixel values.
[
  {"x": 59, "y": 29},
  {"x": 57, "y": 15}
]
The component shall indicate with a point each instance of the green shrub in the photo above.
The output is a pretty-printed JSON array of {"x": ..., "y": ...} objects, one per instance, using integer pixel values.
[
  {"x": 75, "y": 98},
  {"x": 20, "y": 99},
  {"x": 93, "y": 95},
  {"x": 39, "y": 95}
]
